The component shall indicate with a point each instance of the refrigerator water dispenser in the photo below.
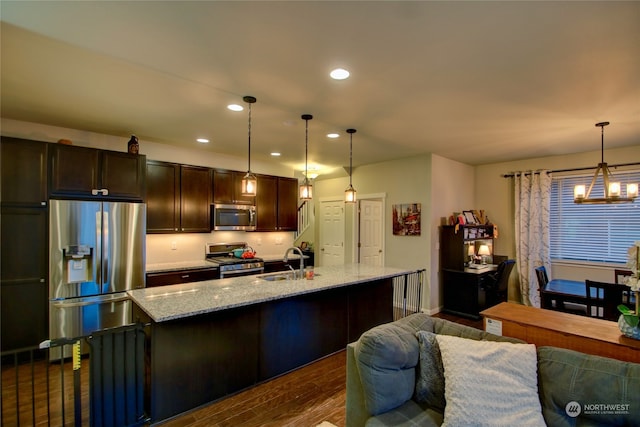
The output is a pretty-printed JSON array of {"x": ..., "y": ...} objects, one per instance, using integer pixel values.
[{"x": 78, "y": 263}]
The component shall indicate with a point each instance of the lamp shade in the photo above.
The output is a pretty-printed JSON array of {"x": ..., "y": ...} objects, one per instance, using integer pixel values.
[{"x": 484, "y": 250}]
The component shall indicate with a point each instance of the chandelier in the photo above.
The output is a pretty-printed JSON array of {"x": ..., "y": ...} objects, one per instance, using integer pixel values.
[{"x": 612, "y": 189}]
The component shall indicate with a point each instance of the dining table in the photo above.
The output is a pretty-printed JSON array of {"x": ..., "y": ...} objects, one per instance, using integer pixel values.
[{"x": 557, "y": 292}]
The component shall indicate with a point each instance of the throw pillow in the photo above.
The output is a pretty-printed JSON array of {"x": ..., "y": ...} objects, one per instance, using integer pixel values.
[
  {"x": 386, "y": 357},
  {"x": 490, "y": 383},
  {"x": 430, "y": 381}
]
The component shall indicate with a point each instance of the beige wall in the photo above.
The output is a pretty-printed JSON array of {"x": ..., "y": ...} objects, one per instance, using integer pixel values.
[{"x": 400, "y": 181}]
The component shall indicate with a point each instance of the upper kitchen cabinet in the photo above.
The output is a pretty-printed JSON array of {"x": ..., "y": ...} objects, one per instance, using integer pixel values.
[
  {"x": 24, "y": 172},
  {"x": 88, "y": 173},
  {"x": 276, "y": 204},
  {"x": 178, "y": 198},
  {"x": 227, "y": 188}
]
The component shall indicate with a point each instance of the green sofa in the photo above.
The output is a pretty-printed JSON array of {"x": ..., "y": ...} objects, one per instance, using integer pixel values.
[{"x": 383, "y": 368}]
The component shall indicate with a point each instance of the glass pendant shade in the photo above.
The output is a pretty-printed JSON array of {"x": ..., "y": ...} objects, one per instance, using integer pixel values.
[
  {"x": 612, "y": 189},
  {"x": 306, "y": 189},
  {"x": 249, "y": 184},
  {"x": 350, "y": 193},
  {"x": 249, "y": 181}
]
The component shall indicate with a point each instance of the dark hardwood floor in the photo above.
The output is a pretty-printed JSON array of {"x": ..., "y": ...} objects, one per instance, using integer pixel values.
[{"x": 305, "y": 397}]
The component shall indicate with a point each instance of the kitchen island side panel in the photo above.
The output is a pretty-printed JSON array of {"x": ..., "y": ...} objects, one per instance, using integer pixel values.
[
  {"x": 299, "y": 330},
  {"x": 201, "y": 359}
]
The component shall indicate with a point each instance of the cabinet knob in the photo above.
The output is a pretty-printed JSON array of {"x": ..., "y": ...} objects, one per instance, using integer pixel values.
[
  {"x": 43, "y": 203},
  {"x": 185, "y": 276}
]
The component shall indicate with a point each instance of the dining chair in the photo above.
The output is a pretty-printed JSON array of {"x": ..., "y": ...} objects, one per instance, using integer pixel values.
[
  {"x": 543, "y": 279},
  {"x": 603, "y": 299},
  {"x": 619, "y": 274}
]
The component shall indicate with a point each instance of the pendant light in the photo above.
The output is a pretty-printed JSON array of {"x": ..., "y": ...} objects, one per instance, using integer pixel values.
[
  {"x": 249, "y": 182},
  {"x": 306, "y": 189},
  {"x": 350, "y": 192},
  {"x": 612, "y": 189}
]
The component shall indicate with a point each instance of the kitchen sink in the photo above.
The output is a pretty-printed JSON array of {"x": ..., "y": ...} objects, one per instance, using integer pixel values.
[{"x": 272, "y": 277}]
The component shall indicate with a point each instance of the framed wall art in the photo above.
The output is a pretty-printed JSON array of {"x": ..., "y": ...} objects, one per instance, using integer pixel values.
[{"x": 406, "y": 219}]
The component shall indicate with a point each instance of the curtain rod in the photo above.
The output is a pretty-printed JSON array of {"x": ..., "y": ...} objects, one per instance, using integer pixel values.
[{"x": 511, "y": 175}]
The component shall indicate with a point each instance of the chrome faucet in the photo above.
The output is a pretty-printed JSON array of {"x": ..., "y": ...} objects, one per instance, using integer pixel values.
[{"x": 286, "y": 261}]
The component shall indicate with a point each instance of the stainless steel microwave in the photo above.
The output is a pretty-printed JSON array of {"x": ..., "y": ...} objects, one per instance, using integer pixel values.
[{"x": 234, "y": 217}]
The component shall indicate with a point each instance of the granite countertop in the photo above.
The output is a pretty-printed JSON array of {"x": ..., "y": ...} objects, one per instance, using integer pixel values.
[{"x": 189, "y": 299}]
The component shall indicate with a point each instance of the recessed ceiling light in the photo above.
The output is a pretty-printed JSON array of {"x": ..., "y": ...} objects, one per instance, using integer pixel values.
[
  {"x": 333, "y": 135},
  {"x": 235, "y": 107},
  {"x": 203, "y": 140},
  {"x": 339, "y": 74},
  {"x": 275, "y": 154}
]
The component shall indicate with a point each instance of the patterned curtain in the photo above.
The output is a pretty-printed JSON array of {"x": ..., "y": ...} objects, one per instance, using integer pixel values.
[{"x": 532, "y": 200}]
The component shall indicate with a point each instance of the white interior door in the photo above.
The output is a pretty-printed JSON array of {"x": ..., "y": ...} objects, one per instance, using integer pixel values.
[
  {"x": 332, "y": 232},
  {"x": 371, "y": 232}
]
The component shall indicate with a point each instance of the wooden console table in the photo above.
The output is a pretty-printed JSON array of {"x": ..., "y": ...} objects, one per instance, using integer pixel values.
[{"x": 553, "y": 328}]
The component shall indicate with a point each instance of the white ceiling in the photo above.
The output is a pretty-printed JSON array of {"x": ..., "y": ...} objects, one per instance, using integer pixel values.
[{"x": 478, "y": 82}]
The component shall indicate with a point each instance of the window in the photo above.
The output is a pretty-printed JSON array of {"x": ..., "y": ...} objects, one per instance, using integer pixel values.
[{"x": 594, "y": 233}]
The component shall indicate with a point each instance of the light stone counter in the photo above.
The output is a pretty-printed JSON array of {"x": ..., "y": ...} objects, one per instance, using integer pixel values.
[{"x": 189, "y": 299}]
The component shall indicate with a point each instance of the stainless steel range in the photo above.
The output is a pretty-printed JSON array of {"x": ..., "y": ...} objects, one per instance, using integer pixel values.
[{"x": 222, "y": 255}]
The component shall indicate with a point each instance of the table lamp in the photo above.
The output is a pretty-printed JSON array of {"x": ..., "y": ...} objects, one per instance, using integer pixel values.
[
  {"x": 483, "y": 251},
  {"x": 471, "y": 252}
]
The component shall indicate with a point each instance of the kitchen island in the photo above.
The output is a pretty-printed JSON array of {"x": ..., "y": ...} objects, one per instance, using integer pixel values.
[{"x": 214, "y": 338}]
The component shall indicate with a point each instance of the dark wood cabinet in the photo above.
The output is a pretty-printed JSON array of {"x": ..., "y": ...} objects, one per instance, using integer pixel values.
[
  {"x": 463, "y": 289},
  {"x": 287, "y": 204},
  {"x": 24, "y": 279},
  {"x": 195, "y": 199},
  {"x": 24, "y": 262},
  {"x": 88, "y": 173},
  {"x": 24, "y": 172},
  {"x": 276, "y": 204},
  {"x": 163, "y": 199},
  {"x": 181, "y": 276},
  {"x": 178, "y": 198},
  {"x": 456, "y": 240},
  {"x": 464, "y": 292},
  {"x": 227, "y": 188}
]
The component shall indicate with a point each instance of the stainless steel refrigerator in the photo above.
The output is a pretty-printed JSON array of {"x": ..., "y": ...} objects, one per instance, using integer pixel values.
[{"x": 96, "y": 254}]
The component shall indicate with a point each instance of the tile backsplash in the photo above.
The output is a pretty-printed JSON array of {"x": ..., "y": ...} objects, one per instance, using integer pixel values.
[{"x": 179, "y": 247}]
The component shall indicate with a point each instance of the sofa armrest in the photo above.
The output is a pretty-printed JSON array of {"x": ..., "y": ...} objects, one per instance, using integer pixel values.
[{"x": 357, "y": 414}]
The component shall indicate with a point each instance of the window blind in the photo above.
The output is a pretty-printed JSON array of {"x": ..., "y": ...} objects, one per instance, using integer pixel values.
[{"x": 594, "y": 233}]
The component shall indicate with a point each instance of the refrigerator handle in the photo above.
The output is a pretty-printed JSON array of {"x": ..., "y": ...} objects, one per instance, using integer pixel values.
[{"x": 105, "y": 249}]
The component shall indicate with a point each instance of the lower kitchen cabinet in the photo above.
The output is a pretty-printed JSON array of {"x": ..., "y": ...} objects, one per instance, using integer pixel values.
[{"x": 181, "y": 276}]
